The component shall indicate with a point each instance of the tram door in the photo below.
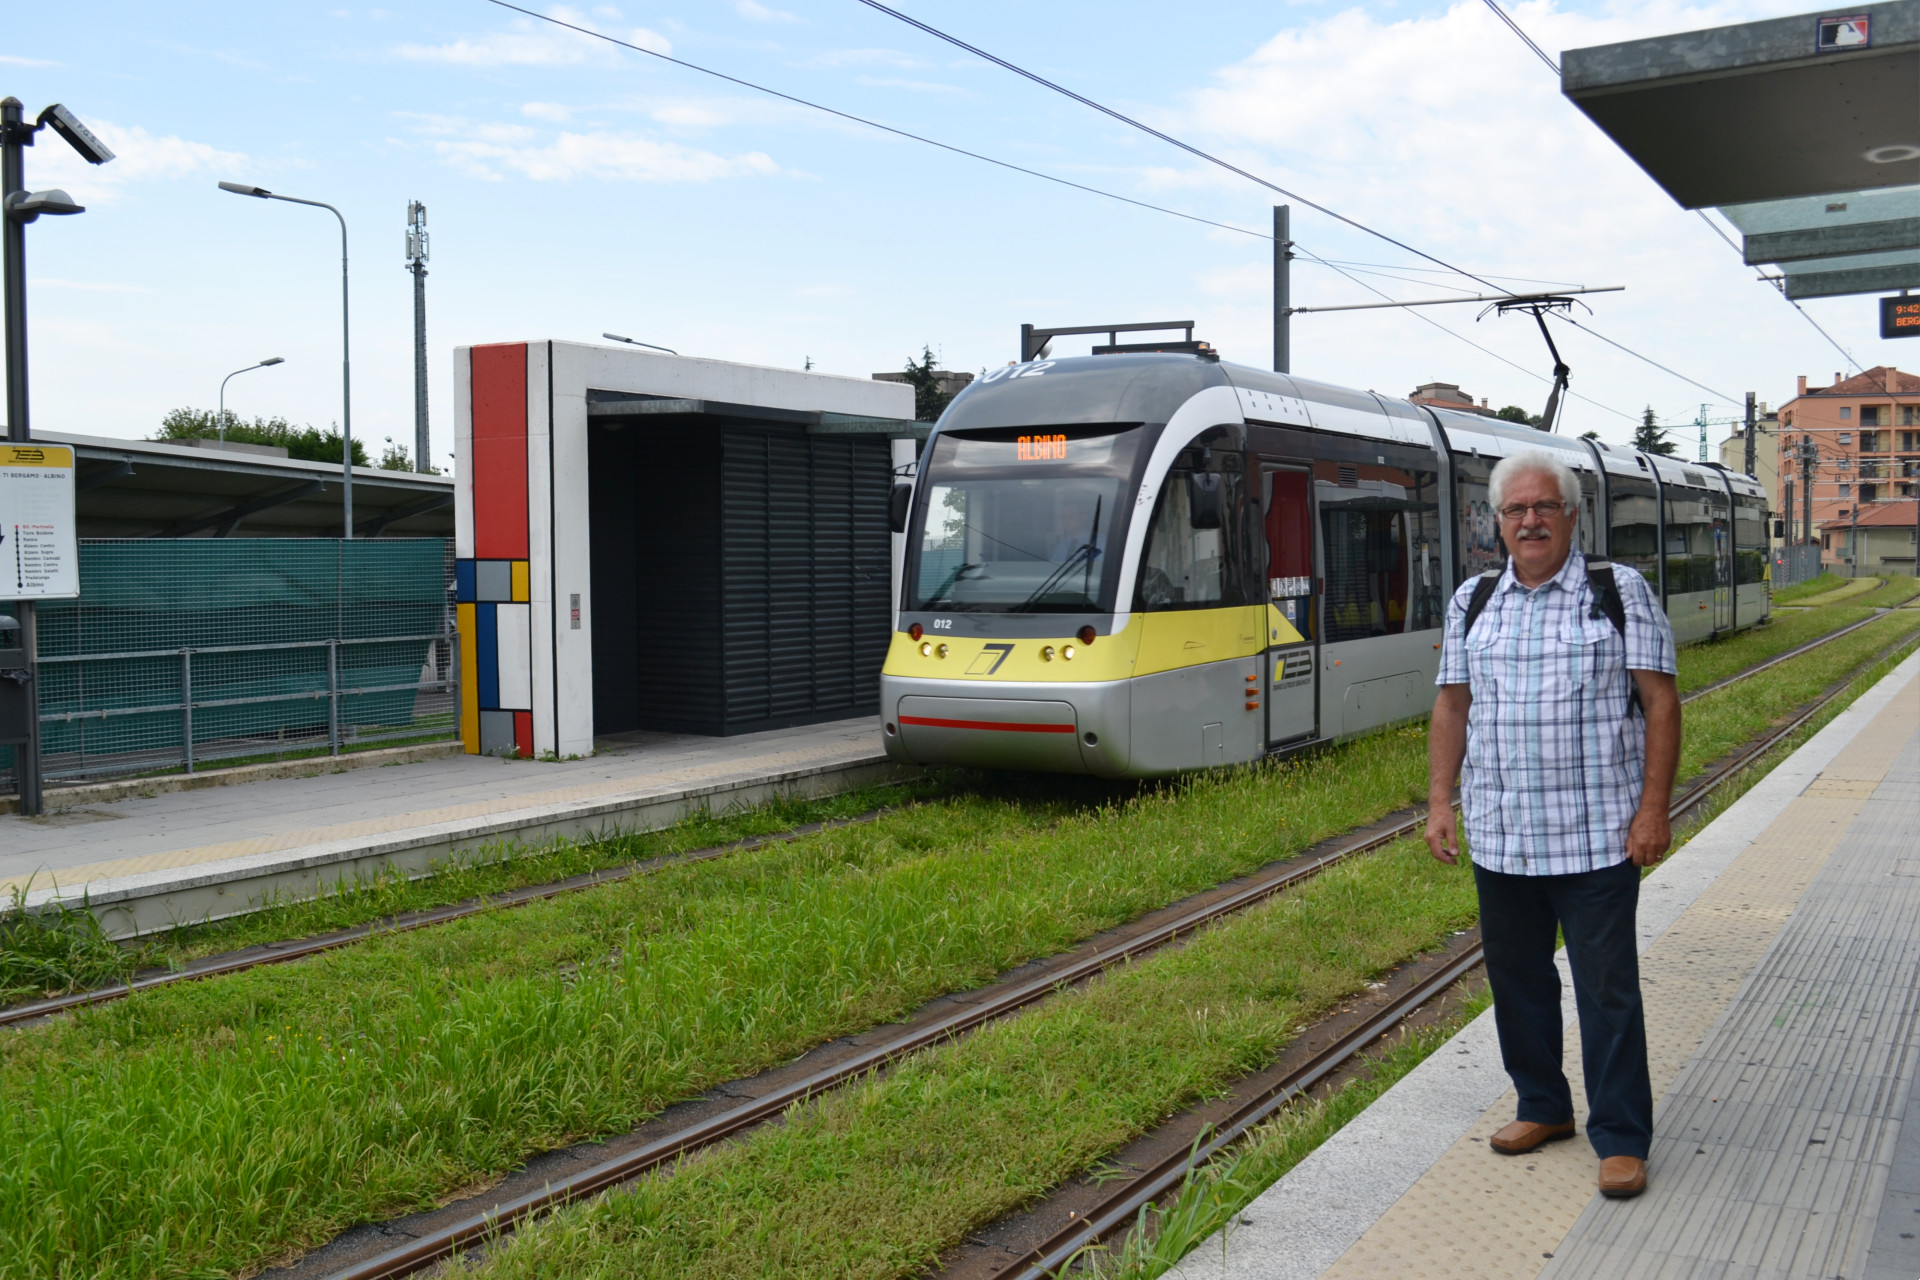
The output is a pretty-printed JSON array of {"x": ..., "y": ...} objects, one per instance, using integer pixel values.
[
  {"x": 1722, "y": 563},
  {"x": 1293, "y": 657}
]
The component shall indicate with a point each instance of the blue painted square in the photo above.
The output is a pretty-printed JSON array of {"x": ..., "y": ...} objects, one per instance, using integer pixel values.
[
  {"x": 463, "y": 582},
  {"x": 486, "y": 627}
]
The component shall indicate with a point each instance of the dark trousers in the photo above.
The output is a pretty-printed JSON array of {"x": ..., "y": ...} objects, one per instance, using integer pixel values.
[{"x": 1594, "y": 909}]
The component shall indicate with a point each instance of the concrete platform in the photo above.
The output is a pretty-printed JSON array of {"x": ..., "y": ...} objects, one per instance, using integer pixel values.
[
  {"x": 148, "y": 862},
  {"x": 1780, "y": 954}
]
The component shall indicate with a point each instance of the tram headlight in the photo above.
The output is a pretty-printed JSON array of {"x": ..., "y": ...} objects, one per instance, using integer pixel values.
[
  {"x": 926, "y": 649},
  {"x": 940, "y": 651},
  {"x": 1067, "y": 651},
  {"x": 1046, "y": 653}
]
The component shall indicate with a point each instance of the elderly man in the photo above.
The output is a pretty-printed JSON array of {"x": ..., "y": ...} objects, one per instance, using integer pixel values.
[{"x": 1557, "y": 691}]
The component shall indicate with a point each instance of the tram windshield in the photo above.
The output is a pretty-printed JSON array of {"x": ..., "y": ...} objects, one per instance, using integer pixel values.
[{"x": 1023, "y": 521}]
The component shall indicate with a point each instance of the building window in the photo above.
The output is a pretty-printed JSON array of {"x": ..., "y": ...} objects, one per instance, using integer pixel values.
[
  {"x": 1869, "y": 415},
  {"x": 1846, "y": 437},
  {"x": 1903, "y": 490},
  {"x": 1846, "y": 490},
  {"x": 1907, "y": 440},
  {"x": 1845, "y": 464},
  {"x": 1869, "y": 493},
  {"x": 1846, "y": 412},
  {"x": 1874, "y": 441},
  {"x": 1910, "y": 415}
]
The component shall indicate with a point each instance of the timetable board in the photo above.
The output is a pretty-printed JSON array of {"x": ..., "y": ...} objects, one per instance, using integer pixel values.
[{"x": 39, "y": 549}]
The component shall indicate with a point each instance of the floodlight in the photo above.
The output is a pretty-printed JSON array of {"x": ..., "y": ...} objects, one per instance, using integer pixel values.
[
  {"x": 242, "y": 189},
  {"x": 28, "y": 205},
  {"x": 78, "y": 136}
]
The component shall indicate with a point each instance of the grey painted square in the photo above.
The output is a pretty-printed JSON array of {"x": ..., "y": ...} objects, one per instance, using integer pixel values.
[
  {"x": 496, "y": 732},
  {"x": 493, "y": 580}
]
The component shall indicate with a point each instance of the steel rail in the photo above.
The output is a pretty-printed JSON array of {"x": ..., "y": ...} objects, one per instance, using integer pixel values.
[
  {"x": 1123, "y": 1208},
  {"x": 280, "y": 953},
  {"x": 239, "y": 962}
]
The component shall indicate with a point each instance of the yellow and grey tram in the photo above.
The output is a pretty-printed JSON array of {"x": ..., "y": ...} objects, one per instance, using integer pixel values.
[{"x": 1132, "y": 565}]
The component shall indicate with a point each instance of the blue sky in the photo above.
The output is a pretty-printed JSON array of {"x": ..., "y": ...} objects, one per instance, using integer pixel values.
[{"x": 573, "y": 187}]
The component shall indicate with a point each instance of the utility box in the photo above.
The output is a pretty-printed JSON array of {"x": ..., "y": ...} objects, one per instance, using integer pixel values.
[{"x": 17, "y": 704}]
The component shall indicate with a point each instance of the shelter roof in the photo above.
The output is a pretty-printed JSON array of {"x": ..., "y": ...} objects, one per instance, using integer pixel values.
[{"x": 150, "y": 489}]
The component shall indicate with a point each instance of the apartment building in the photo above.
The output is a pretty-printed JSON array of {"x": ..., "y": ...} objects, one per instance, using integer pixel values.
[{"x": 1865, "y": 433}]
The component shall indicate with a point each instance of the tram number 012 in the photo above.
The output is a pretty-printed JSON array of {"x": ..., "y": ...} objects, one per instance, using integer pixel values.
[{"x": 1040, "y": 448}]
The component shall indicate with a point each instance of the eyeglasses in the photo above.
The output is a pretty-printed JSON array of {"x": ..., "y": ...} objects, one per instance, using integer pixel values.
[{"x": 1545, "y": 510}]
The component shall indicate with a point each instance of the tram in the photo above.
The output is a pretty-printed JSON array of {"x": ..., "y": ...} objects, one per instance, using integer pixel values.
[{"x": 1138, "y": 564}]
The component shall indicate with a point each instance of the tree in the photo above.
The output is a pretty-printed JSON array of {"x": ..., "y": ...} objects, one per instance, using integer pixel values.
[
  {"x": 1589, "y": 434},
  {"x": 309, "y": 443},
  {"x": 1514, "y": 413},
  {"x": 1651, "y": 437},
  {"x": 394, "y": 457},
  {"x": 929, "y": 401}
]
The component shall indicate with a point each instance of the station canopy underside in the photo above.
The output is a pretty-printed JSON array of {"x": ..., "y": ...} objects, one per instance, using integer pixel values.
[{"x": 1803, "y": 131}]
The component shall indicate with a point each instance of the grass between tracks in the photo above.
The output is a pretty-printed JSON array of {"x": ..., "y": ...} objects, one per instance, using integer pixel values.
[
  {"x": 1818, "y": 585},
  {"x": 209, "y": 1127},
  {"x": 966, "y": 1133}
]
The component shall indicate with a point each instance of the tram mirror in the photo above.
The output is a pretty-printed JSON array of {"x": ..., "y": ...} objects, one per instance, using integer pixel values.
[
  {"x": 899, "y": 503},
  {"x": 1203, "y": 499}
]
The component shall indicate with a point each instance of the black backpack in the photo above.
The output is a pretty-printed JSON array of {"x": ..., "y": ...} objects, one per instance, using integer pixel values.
[{"x": 1606, "y": 603}]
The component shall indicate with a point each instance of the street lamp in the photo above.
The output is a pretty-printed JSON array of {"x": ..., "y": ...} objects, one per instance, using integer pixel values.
[
  {"x": 346, "y": 361},
  {"x": 267, "y": 363},
  {"x": 632, "y": 342},
  {"x": 18, "y": 207}
]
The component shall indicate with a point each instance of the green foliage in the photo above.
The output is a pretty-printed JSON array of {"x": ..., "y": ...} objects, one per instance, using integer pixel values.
[
  {"x": 1651, "y": 437},
  {"x": 1819, "y": 584},
  {"x": 396, "y": 458},
  {"x": 55, "y": 950},
  {"x": 309, "y": 443},
  {"x": 929, "y": 401},
  {"x": 1514, "y": 413}
]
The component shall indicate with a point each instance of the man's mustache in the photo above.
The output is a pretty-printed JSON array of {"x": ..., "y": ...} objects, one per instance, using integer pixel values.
[{"x": 1535, "y": 535}]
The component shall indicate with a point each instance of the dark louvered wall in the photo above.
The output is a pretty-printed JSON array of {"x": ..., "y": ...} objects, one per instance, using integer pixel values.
[{"x": 743, "y": 582}]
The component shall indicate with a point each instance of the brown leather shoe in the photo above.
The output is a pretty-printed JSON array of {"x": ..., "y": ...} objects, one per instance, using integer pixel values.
[
  {"x": 1622, "y": 1177},
  {"x": 1523, "y": 1136}
]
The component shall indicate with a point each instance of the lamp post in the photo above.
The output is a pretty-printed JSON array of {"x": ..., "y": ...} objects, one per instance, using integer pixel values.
[
  {"x": 267, "y": 363},
  {"x": 346, "y": 360},
  {"x": 18, "y": 207}
]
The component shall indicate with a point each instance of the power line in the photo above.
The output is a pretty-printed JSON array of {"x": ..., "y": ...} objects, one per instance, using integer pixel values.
[
  {"x": 1313, "y": 257},
  {"x": 1164, "y": 137},
  {"x": 1776, "y": 282},
  {"x": 875, "y": 124},
  {"x": 1393, "y": 266},
  {"x": 1526, "y": 39},
  {"x": 1721, "y": 395}
]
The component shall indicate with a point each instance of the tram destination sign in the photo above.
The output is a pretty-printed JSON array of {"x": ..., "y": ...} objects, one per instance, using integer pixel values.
[
  {"x": 1900, "y": 317},
  {"x": 39, "y": 550}
]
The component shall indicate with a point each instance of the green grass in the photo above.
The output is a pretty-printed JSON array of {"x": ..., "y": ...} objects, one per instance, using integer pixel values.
[
  {"x": 1893, "y": 593},
  {"x": 874, "y": 1180},
  {"x": 1849, "y": 589},
  {"x": 1820, "y": 584},
  {"x": 211, "y": 1126},
  {"x": 1710, "y": 660}
]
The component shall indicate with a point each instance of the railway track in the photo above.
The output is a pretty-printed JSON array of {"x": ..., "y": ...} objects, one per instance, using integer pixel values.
[
  {"x": 299, "y": 949},
  {"x": 1122, "y": 1208}
]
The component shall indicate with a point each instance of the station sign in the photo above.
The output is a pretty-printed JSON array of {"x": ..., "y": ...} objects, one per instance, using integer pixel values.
[
  {"x": 1900, "y": 317},
  {"x": 39, "y": 543}
]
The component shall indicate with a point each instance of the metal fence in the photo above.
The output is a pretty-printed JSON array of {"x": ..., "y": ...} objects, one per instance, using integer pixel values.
[
  {"x": 183, "y": 652},
  {"x": 1796, "y": 564}
]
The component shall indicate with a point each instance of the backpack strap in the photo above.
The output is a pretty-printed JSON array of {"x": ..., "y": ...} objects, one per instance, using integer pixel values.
[
  {"x": 1482, "y": 592},
  {"x": 1606, "y": 602}
]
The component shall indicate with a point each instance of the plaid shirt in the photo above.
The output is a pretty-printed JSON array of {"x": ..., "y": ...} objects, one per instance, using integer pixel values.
[{"x": 1555, "y": 763}]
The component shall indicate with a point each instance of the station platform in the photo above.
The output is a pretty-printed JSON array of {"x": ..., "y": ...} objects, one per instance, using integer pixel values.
[
  {"x": 1780, "y": 954},
  {"x": 147, "y": 862}
]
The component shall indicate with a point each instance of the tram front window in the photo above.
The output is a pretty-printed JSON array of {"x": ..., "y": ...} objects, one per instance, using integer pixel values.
[{"x": 1023, "y": 521}]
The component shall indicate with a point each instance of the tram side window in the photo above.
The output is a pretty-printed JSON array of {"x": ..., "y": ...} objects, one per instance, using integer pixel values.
[
  {"x": 1479, "y": 534},
  {"x": 1380, "y": 547},
  {"x": 1749, "y": 540},
  {"x": 1635, "y": 533},
  {"x": 1690, "y": 542},
  {"x": 1185, "y": 567}
]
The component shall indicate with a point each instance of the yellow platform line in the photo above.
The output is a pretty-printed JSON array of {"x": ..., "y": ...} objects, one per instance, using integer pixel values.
[{"x": 1476, "y": 1215}]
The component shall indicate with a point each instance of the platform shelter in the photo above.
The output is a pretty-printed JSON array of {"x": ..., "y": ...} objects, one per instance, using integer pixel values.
[{"x": 651, "y": 541}]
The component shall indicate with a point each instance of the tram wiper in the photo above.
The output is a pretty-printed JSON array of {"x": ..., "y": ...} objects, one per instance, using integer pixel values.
[
  {"x": 1084, "y": 554},
  {"x": 941, "y": 591}
]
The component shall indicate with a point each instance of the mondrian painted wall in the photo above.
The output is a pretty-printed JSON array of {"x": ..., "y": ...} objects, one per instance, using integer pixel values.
[{"x": 492, "y": 575}]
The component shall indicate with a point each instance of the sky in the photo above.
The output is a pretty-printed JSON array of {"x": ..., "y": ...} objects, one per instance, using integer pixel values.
[{"x": 575, "y": 187}]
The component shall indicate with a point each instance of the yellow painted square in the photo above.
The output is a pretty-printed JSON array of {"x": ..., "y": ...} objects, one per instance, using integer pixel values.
[
  {"x": 469, "y": 678},
  {"x": 520, "y": 580}
]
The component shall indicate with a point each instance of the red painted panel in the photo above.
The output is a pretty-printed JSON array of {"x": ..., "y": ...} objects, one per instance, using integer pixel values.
[
  {"x": 523, "y": 733},
  {"x": 500, "y": 451}
]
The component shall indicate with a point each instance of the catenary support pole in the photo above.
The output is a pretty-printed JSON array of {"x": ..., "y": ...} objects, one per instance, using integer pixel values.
[
  {"x": 1750, "y": 430},
  {"x": 1806, "y": 487},
  {"x": 417, "y": 264},
  {"x": 14, "y": 134},
  {"x": 1282, "y": 289}
]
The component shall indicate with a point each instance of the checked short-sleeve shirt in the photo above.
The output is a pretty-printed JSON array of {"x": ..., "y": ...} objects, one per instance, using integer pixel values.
[{"x": 1555, "y": 762}]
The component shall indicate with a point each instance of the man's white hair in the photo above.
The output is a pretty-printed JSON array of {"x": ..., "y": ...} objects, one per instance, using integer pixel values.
[{"x": 1533, "y": 462}]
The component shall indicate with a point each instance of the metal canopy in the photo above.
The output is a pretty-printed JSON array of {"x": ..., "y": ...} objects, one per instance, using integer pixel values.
[{"x": 1803, "y": 131}]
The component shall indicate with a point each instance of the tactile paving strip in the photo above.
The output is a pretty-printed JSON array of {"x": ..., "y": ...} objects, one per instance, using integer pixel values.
[{"x": 1479, "y": 1214}]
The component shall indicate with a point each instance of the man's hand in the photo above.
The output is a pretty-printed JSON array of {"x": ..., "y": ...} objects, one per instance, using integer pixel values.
[
  {"x": 1443, "y": 831},
  {"x": 1649, "y": 838}
]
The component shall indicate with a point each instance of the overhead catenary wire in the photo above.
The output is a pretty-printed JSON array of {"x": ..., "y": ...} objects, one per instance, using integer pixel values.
[
  {"x": 1167, "y": 138},
  {"x": 875, "y": 124},
  {"x": 1776, "y": 281},
  {"x": 1525, "y": 39}
]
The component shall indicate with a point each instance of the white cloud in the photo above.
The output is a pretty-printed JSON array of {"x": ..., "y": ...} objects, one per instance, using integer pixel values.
[
  {"x": 493, "y": 152},
  {"x": 553, "y": 112},
  {"x": 865, "y": 58},
  {"x": 14, "y": 60},
  {"x": 760, "y": 12},
  {"x": 527, "y": 43},
  {"x": 139, "y": 156}
]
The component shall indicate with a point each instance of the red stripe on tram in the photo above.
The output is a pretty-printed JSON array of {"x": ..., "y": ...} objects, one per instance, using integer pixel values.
[{"x": 987, "y": 724}]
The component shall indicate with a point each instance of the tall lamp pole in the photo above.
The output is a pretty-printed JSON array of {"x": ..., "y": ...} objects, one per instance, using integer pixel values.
[
  {"x": 264, "y": 364},
  {"x": 346, "y": 359},
  {"x": 18, "y": 207},
  {"x": 417, "y": 264}
]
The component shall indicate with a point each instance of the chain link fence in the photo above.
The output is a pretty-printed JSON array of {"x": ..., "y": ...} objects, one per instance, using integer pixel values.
[
  {"x": 1796, "y": 564},
  {"x": 181, "y": 653}
]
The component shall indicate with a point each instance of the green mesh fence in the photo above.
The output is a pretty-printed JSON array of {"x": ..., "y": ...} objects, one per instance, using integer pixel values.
[{"x": 182, "y": 652}]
